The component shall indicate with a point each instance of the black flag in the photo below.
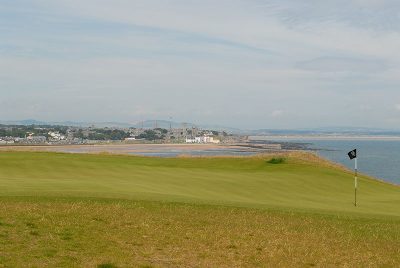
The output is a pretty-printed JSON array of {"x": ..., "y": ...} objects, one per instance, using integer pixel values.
[{"x": 352, "y": 154}]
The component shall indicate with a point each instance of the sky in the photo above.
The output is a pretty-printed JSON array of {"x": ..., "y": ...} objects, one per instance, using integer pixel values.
[{"x": 248, "y": 64}]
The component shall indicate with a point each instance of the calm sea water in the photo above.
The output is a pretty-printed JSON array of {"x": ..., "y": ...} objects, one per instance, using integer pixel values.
[{"x": 378, "y": 158}]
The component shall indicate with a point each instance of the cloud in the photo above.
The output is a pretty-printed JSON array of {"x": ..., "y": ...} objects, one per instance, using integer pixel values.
[
  {"x": 346, "y": 65},
  {"x": 277, "y": 113},
  {"x": 201, "y": 61}
]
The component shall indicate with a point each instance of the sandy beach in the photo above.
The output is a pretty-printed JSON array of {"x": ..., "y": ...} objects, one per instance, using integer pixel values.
[{"x": 128, "y": 148}]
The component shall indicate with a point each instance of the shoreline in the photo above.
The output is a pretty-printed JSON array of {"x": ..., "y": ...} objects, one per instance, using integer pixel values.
[
  {"x": 323, "y": 137},
  {"x": 126, "y": 148}
]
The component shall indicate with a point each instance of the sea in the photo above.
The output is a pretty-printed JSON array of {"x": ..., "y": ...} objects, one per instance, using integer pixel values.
[{"x": 379, "y": 158}]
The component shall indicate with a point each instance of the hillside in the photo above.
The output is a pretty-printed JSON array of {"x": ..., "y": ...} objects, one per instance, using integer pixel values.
[{"x": 116, "y": 211}]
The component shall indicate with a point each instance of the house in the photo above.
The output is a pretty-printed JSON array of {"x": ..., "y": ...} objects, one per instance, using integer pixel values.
[
  {"x": 56, "y": 136},
  {"x": 203, "y": 139},
  {"x": 190, "y": 140}
]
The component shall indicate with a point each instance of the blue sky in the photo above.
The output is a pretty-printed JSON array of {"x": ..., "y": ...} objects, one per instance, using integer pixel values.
[{"x": 247, "y": 64}]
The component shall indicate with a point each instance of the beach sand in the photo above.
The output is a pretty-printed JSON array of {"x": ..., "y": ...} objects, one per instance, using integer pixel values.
[{"x": 124, "y": 148}]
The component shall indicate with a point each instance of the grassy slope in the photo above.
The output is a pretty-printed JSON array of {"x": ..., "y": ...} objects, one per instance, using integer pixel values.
[
  {"x": 74, "y": 210},
  {"x": 249, "y": 182}
]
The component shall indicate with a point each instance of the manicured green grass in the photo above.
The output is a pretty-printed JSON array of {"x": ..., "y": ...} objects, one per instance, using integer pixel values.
[
  {"x": 77, "y": 210},
  {"x": 295, "y": 183}
]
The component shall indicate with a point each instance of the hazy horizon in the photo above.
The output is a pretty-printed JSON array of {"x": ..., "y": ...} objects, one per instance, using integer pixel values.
[
  {"x": 243, "y": 64},
  {"x": 165, "y": 123}
]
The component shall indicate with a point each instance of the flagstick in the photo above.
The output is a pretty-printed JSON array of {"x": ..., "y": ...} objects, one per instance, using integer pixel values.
[{"x": 355, "y": 182}]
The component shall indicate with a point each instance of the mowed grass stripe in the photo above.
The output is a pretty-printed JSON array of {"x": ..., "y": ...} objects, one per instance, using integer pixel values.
[{"x": 301, "y": 182}]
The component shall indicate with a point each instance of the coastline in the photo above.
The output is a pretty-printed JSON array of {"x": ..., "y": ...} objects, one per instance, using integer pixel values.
[
  {"x": 324, "y": 137},
  {"x": 124, "y": 148}
]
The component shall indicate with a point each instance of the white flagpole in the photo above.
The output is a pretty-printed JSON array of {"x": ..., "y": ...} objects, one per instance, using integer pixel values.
[{"x": 355, "y": 182}]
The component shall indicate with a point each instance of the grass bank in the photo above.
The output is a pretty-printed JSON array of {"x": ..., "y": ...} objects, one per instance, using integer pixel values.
[
  {"x": 288, "y": 210},
  {"x": 300, "y": 182}
]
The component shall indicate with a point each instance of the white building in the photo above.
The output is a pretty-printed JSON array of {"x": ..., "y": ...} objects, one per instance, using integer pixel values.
[
  {"x": 56, "y": 136},
  {"x": 202, "y": 139}
]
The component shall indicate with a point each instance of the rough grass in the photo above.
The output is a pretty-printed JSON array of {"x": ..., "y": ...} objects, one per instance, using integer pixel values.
[
  {"x": 112, "y": 233},
  {"x": 68, "y": 210},
  {"x": 276, "y": 160}
]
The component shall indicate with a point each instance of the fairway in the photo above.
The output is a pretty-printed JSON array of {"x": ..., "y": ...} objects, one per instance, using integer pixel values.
[
  {"x": 296, "y": 209},
  {"x": 301, "y": 182}
]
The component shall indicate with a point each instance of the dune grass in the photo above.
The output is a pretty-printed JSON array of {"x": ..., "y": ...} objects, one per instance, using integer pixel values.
[{"x": 63, "y": 210}]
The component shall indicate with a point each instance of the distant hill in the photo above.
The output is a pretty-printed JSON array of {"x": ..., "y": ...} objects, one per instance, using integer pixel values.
[
  {"x": 145, "y": 124},
  {"x": 327, "y": 131},
  {"x": 26, "y": 122},
  {"x": 258, "y": 132}
]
